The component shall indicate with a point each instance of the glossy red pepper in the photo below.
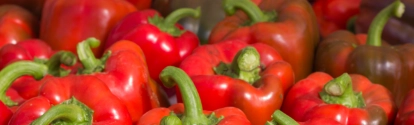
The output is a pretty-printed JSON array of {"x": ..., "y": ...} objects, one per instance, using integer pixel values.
[
  {"x": 349, "y": 99},
  {"x": 5, "y": 114},
  {"x": 65, "y": 23},
  {"x": 280, "y": 118},
  {"x": 50, "y": 105},
  {"x": 191, "y": 111},
  {"x": 16, "y": 24},
  {"x": 141, "y": 4},
  {"x": 30, "y": 49},
  {"x": 405, "y": 114},
  {"x": 158, "y": 37},
  {"x": 390, "y": 66},
  {"x": 333, "y": 15},
  {"x": 252, "y": 77},
  {"x": 289, "y": 26},
  {"x": 18, "y": 86},
  {"x": 124, "y": 70}
]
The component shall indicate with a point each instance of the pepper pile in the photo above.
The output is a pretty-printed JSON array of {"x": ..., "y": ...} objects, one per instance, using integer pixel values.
[{"x": 212, "y": 62}]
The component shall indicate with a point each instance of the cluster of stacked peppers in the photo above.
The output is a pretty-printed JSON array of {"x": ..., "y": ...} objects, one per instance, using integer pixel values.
[{"x": 259, "y": 62}]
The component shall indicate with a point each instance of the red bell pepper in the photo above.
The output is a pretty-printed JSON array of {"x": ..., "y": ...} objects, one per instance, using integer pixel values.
[
  {"x": 23, "y": 83},
  {"x": 5, "y": 114},
  {"x": 333, "y": 15},
  {"x": 405, "y": 115},
  {"x": 387, "y": 65},
  {"x": 349, "y": 99},
  {"x": 124, "y": 70},
  {"x": 289, "y": 26},
  {"x": 30, "y": 49},
  {"x": 65, "y": 23},
  {"x": 191, "y": 111},
  {"x": 251, "y": 77},
  {"x": 16, "y": 24},
  {"x": 141, "y": 4},
  {"x": 50, "y": 105},
  {"x": 158, "y": 37},
  {"x": 280, "y": 118}
]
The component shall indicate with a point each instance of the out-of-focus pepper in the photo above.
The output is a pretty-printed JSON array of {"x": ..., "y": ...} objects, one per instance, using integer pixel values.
[
  {"x": 30, "y": 49},
  {"x": 50, "y": 106},
  {"x": 289, "y": 26},
  {"x": 124, "y": 70},
  {"x": 251, "y": 77},
  {"x": 141, "y": 4},
  {"x": 280, "y": 118},
  {"x": 5, "y": 114},
  {"x": 212, "y": 13},
  {"x": 191, "y": 111},
  {"x": 16, "y": 24},
  {"x": 34, "y": 6},
  {"x": 396, "y": 30},
  {"x": 65, "y": 23},
  {"x": 333, "y": 15},
  {"x": 405, "y": 115},
  {"x": 158, "y": 37},
  {"x": 348, "y": 99},
  {"x": 387, "y": 65}
]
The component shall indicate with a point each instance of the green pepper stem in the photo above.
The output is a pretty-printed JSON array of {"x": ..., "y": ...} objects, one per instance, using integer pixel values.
[
  {"x": 245, "y": 66},
  {"x": 62, "y": 57},
  {"x": 280, "y": 118},
  {"x": 171, "y": 119},
  {"x": 377, "y": 26},
  {"x": 90, "y": 63},
  {"x": 252, "y": 10},
  {"x": 193, "y": 113},
  {"x": 340, "y": 91},
  {"x": 168, "y": 24},
  {"x": 15, "y": 70},
  {"x": 69, "y": 112}
]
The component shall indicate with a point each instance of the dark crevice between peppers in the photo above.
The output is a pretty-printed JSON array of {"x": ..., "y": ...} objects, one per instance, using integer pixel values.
[
  {"x": 90, "y": 63},
  {"x": 245, "y": 66},
  {"x": 16, "y": 70},
  {"x": 255, "y": 14},
  {"x": 193, "y": 113},
  {"x": 167, "y": 24},
  {"x": 68, "y": 112},
  {"x": 340, "y": 91},
  {"x": 280, "y": 118},
  {"x": 378, "y": 23}
]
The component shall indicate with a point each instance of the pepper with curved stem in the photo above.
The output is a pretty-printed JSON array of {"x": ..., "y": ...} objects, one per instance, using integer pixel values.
[
  {"x": 158, "y": 37},
  {"x": 191, "y": 109},
  {"x": 124, "y": 70},
  {"x": 289, "y": 26},
  {"x": 344, "y": 52},
  {"x": 16, "y": 70},
  {"x": 68, "y": 112}
]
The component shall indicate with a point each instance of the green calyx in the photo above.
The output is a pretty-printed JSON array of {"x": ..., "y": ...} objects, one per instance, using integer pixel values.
[
  {"x": 174, "y": 119},
  {"x": 193, "y": 114},
  {"x": 168, "y": 24},
  {"x": 280, "y": 118},
  {"x": 54, "y": 63},
  {"x": 90, "y": 63},
  {"x": 255, "y": 14},
  {"x": 395, "y": 9},
  {"x": 340, "y": 91},
  {"x": 69, "y": 112},
  {"x": 15, "y": 70},
  {"x": 245, "y": 66}
]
